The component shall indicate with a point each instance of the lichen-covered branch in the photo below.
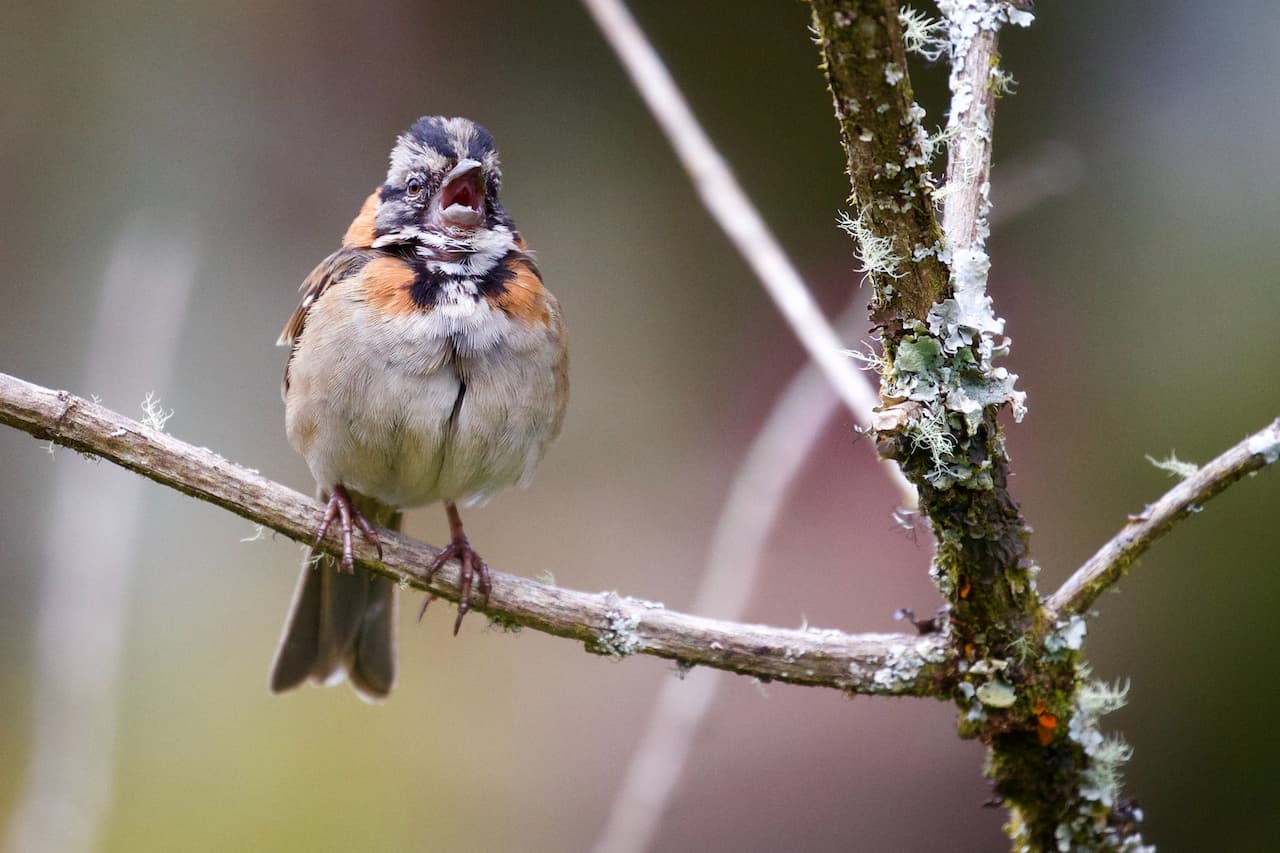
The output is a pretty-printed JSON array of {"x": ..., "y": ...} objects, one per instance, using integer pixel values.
[
  {"x": 941, "y": 394},
  {"x": 888, "y": 153},
  {"x": 607, "y": 623},
  {"x": 1113, "y": 559},
  {"x": 1022, "y": 688}
]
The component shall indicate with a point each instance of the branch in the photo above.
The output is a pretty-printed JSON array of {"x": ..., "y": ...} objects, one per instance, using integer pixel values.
[
  {"x": 1022, "y": 696},
  {"x": 728, "y": 204},
  {"x": 887, "y": 152},
  {"x": 941, "y": 391},
  {"x": 1114, "y": 558},
  {"x": 884, "y": 664},
  {"x": 83, "y": 619},
  {"x": 755, "y": 499},
  {"x": 973, "y": 104}
]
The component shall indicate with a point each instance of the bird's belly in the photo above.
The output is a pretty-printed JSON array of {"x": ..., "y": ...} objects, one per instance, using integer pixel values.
[
  {"x": 403, "y": 419},
  {"x": 507, "y": 417}
]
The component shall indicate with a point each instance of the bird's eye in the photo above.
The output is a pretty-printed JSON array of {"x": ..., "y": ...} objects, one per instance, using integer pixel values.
[{"x": 414, "y": 187}]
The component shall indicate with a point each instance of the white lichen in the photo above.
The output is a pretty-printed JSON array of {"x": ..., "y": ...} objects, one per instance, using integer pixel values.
[
  {"x": 931, "y": 434},
  {"x": 903, "y": 663},
  {"x": 1266, "y": 444},
  {"x": 1174, "y": 466},
  {"x": 996, "y": 693},
  {"x": 869, "y": 359},
  {"x": 1100, "y": 779},
  {"x": 1002, "y": 82},
  {"x": 619, "y": 638},
  {"x": 875, "y": 253},
  {"x": 1096, "y": 699},
  {"x": 259, "y": 533},
  {"x": 923, "y": 35},
  {"x": 1068, "y": 636},
  {"x": 154, "y": 414}
]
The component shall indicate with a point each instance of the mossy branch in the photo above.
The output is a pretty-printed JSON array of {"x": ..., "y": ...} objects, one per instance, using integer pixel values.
[
  {"x": 606, "y": 623},
  {"x": 887, "y": 151},
  {"x": 941, "y": 394},
  {"x": 1020, "y": 690}
]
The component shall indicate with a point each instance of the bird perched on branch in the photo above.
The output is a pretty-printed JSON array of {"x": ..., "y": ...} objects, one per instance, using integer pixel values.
[{"x": 427, "y": 363}]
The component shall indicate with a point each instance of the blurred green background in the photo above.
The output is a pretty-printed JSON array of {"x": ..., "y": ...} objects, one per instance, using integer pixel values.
[{"x": 242, "y": 138}]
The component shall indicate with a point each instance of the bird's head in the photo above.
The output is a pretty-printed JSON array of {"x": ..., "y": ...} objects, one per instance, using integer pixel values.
[{"x": 441, "y": 190}]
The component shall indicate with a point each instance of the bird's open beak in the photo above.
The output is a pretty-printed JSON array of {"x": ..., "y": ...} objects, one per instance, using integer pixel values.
[{"x": 460, "y": 203}]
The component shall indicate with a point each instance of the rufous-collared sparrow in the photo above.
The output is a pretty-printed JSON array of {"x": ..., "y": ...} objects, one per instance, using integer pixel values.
[{"x": 427, "y": 363}]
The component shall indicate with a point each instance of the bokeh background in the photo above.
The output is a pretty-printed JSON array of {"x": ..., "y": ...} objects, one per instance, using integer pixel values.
[{"x": 223, "y": 148}]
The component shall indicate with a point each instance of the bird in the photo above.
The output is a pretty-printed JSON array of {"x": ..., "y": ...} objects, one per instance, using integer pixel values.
[{"x": 427, "y": 364}]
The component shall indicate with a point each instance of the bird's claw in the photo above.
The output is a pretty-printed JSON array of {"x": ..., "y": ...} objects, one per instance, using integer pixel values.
[
  {"x": 472, "y": 570},
  {"x": 340, "y": 507}
]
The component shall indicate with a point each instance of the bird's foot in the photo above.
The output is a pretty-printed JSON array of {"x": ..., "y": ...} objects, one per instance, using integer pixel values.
[
  {"x": 340, "y": 507},
  {"x": 472, "y": 570}
]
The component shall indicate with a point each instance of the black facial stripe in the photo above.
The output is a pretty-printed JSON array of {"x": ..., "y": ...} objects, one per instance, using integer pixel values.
[
  {"x": 497, "y": 214},
  {"x": 428, "y": 131},
  {"x": 494, "y": 282},
  {"x": 481, "y": 144},
  {"x": 427, "y": 284},
  {"x": 395, "y": 213}
]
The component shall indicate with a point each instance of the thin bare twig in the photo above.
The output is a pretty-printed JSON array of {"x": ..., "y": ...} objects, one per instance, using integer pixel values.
[
  {"x": 733, "y": 211},
  {"x": 607, "y": 623},
  {"x": 755, "y": 500},
  {"x": 83, "y": 615},
  {"x": 1111, "y": 561}
]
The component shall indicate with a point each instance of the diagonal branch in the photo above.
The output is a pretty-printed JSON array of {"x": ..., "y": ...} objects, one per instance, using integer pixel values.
[
  {"x": 1114, "y": 558},
  {"x": 607, "y": 623},
  {"x": 755, "y": 500},
  {"x": 733, "y": 211}
]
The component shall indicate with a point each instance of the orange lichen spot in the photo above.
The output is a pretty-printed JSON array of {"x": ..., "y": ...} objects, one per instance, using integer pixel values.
[
  {"x": 388, "y": 285},
  {"x": 968, "y": 650},
  {"x": 360, "y": 232},
  {"x": 965, "y": 586},
  {"x": 1046, "y": 727}
]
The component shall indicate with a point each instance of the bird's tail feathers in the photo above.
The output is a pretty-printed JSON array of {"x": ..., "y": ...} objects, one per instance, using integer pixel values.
[{"x": 341, "y": 625}]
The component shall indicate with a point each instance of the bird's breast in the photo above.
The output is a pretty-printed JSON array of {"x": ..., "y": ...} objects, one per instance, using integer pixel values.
[{"x": 412, "y": 404}]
